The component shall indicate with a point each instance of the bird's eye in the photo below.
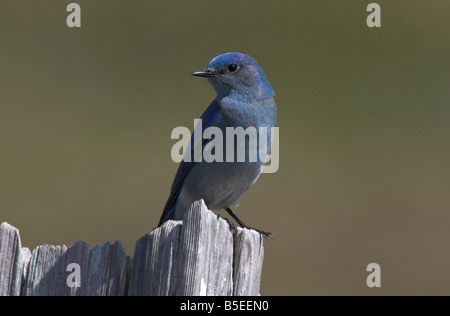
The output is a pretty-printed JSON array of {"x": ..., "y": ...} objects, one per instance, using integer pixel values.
[{"x": 233, "y": 67}]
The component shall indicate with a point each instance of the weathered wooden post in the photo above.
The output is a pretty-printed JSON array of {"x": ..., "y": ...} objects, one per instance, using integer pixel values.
[
  {"x": 13, "y": 261},
  {"x": 201, "y": 255}
]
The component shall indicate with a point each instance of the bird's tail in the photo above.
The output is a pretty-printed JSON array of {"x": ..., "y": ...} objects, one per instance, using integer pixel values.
[{"x": 168, "y": 213}]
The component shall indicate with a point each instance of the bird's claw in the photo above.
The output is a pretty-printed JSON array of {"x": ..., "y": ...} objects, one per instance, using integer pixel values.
[{"x": 265, "y": 234}]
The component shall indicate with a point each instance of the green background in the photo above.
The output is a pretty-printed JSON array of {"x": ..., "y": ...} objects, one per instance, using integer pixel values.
[{"x": 364, "y": 116}]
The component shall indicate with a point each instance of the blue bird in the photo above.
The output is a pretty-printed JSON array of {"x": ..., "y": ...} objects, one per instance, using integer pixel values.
[{"x": 244, "y": 99}]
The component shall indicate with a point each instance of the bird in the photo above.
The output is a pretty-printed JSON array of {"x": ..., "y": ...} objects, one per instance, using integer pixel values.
[{"x": 244, "y": 98}]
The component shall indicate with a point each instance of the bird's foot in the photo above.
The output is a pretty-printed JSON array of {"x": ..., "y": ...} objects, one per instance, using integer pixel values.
[
  {"x": 229, "y": 222},
  {"x": 265, "y": 234},
  {"x": 243, "y": 225}
]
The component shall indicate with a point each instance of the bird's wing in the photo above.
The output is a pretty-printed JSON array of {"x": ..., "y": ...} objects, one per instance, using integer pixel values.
[{"x": 209, "y": 118}]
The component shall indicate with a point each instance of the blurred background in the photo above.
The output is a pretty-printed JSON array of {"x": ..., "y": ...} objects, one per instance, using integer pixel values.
[{"x": 364, "y": 114}]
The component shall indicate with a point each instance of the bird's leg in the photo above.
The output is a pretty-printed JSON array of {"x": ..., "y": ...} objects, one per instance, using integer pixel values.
[{"x": 243, "y": 225}]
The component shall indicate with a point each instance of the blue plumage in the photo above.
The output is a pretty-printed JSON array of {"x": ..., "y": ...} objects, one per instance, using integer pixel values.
[{"x": 244, "y": 99}]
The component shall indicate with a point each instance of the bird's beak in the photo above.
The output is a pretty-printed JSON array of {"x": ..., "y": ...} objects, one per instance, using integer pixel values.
[{"x": 204, "y": 73}]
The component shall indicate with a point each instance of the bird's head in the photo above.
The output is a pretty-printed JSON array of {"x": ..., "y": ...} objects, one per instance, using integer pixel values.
[{"x": 237, "y": 75}]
